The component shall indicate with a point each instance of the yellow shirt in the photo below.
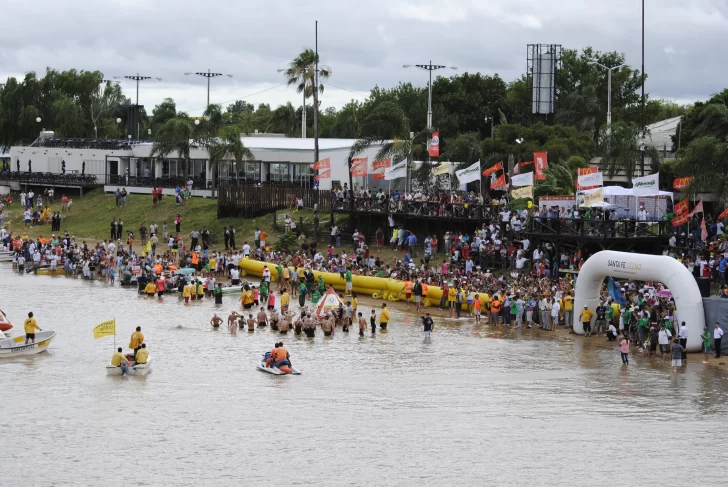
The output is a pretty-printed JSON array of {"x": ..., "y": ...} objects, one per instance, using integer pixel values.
[
  {"x": 118, "y": 358},
  {"x": 213, "y": 264},
  {"x": 31, "y": 325},
  {"x": 384, "y": 316},
  {"x": 354, "y": 303},
  {"x": 586, "y": 315},
  {"x": 136, "y": 339},
  {"x": 451, "y": 294},
  {"x": 568, "y": 303},
  {"x": 150, "y": 288},
  {"x": 286, "y": 273},
  {"x": 285, "y": 299},
  {"x": 200, "y": 289},
  {"x": 142, "y": 356},
  {"x": 186, "y": 292},
  {"x": 615, "y": 307}
]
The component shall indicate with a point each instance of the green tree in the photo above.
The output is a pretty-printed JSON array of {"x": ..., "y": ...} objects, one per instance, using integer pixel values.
[
  {"x": 174, "y": 136},
  {"x": 302, "y": 73}
]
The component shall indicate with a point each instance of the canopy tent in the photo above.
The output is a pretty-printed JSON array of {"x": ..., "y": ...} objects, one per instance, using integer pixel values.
[
  {"x": 329, "y": 302},
  {"x": 620, "y": 191},
  {"x": 626, "y": 197}
]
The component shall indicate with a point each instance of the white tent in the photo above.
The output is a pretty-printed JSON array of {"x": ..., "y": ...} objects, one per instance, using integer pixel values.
[{"x": 613, "y": 191}]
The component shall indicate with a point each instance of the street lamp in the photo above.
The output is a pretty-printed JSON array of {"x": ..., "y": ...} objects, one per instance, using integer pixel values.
[
  {"x": 209, "y": 76},
  {"x": 137, "y": 78},
  {"x": 609, "y": 88},
  {"x": 429, "y": 67},
  {"x": 492, "y": 125}
]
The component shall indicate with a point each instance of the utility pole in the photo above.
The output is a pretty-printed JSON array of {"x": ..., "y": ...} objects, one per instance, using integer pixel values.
[
  {"x": 137, "y": 77},
  {"x": 316, "y": 108},
  {"x": 429, "y": 67},
  {"x": 609, "y": 88},
  {"x": 644, "y": 127},
  {"x": 209, "y": 76}
]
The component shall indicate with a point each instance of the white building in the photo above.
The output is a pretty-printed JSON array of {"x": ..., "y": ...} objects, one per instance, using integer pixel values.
[{"x": 118, "y": 163}]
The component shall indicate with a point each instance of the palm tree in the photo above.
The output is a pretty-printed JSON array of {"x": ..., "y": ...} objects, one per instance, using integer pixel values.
[
  {"x": 388, "y": 126},
  {"x": 621, "y": 150},
  {"x": 174, "y": 136},
  {"x": 559, "y": 180},
  {"x": 302, "y": 72},
  {"x": 706, "y": 159}
]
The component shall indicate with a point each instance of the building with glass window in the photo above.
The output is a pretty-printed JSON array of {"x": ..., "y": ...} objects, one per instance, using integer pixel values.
[{"x": 279, "y": 160}]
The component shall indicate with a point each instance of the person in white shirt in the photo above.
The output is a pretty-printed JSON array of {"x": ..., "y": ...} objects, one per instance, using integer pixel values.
[
  {"x": 682, "y": 335},
  {"x": 555, "y": 308},
  {"x": 234, "y": 276},
  {"x": 611, "y": 333},
  {"x": 664, "y": 340},
  {"x": 717, "y": 335},
  {"x": 246, "y": 249}
]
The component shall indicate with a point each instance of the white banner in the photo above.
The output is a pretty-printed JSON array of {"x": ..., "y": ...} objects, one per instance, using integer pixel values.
[
  {"x": 397, "y": 171},
  {"x": 525, "y": 179},
  {"x": 593, "y": 179},
  {"x": 526, "y": 192},
  {"x": 441, "y": 169},
  {"x": 469, "y": 174},
  {"x": 647, "y": 185}
]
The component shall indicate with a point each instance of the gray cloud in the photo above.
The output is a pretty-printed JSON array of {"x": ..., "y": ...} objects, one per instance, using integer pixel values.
[{"x": 365, "y": 43}]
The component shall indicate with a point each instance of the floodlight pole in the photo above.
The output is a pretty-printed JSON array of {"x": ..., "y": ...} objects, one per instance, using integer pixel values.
[
  {"x": 209, "y": 75},
  {"x": 429, "y": 67}
]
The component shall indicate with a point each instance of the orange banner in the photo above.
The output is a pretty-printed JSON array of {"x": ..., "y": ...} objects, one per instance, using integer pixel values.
[
  {"x": 324, "y": 175},
  {"x": 498, "y": 183},
  {"x": 723, "y": 215},
  {"x": 379, "y": 176},
  {"x": 680, "y": 220},
  {"x": 682, "y": 207},
  {"x": 528, "y": 163},
  {"x": 682, "y": 183},
  {"x": 322, "y": 164},
  {"x": 382, "y": 164},
  {"x": 359, "y": 171},
  {"x": 359, "y": 161},
  {"x": 494, "y": 168},
  {"x": 541, "y": 159}
]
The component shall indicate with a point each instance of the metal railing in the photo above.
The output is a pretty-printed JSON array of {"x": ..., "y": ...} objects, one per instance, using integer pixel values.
[
  {"x": 599, "y": 229},
  {"x": 49, "y": 179},
  {"x": 417, "y": 208}
]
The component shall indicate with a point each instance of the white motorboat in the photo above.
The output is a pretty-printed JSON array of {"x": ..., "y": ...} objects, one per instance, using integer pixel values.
[
  {"x": 275, "y": 370},
  {"x": 13, "y": 347},
  {"x": 133, "y": 369},
  {"x": 238, "y": 289}
]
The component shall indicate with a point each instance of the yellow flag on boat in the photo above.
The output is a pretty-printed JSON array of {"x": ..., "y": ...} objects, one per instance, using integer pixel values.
[{"x": 105, "y": 329}]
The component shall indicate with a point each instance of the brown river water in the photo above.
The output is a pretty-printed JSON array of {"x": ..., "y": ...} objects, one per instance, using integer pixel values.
[{"x": 474, "y": 405}]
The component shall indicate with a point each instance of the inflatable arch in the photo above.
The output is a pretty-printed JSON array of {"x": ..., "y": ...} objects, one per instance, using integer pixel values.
[{"x": 642, "y": 267}]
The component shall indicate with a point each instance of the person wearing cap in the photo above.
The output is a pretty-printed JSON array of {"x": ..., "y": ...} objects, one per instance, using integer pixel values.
[
  {"x": 428, "y": 324},
  {"x": 585, "y": 316}
]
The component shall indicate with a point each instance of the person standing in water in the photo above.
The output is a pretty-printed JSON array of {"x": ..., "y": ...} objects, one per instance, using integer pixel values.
[
  {"x": 373, "y": 321},
  {"x": 384, "y": 317},
  {"x": 428, "y": 324},
  {"x": 216, "y": 321},
  {"x": 362, "y": 324},
  {"x": 624, "y": 350}
]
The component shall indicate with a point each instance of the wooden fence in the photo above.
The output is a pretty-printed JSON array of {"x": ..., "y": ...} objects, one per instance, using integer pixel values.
[{"x": 249, "y": 201}]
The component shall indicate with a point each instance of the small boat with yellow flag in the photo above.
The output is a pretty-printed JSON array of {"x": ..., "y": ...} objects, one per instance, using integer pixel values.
[
  {"x": 14, "y": 347},
  {"x": 108, "y": 328}
]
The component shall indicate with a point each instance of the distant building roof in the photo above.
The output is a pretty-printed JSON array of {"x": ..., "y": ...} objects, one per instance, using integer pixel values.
[
  {"x": 659, "y": 134},
  {"x": 295, "y": 143}
]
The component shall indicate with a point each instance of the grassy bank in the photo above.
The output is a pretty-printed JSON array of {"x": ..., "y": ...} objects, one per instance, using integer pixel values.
[{"x": 92, "y": 214}]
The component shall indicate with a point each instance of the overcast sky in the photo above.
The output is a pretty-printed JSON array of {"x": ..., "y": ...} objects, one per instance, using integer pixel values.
[{"x": 365, "y": 42}]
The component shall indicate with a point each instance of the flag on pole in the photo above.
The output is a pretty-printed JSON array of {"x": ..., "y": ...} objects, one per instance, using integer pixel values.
[
  {"x": 541, "y": 159},
  {"x": 382, "y": 164},
  {"x": 397, "y": 171},
  {"x": 646, "y": 185},
  {"x": 682, "y": 183},
  {"x": 359, "y": 161},
  {"x": 723, "y": 215},
  {"x": 516, "y": 169},
  {"x": 105, "y": 329},
  {"x": 322, "y": 164},
  {"x": 323, "y": 175},
  {"x": 703, "y": 230},
  {"x": 498, "y": 183},
  {"x": 583, "y": 171},
  {"x": 525, "y": 192},
  {"x": 435, "y": 145},
  {"x": 614, "y": 291},
  {"x": 525, "y": 179},
  {"x": 469, "y": 174},
  {"x": 682, "y": 207},
  {"x": 496, "y": 167},
  {"x": 359, "y": 166},
  {"x": 698, "y": 209},
  {"x": 379, "y": 176}
]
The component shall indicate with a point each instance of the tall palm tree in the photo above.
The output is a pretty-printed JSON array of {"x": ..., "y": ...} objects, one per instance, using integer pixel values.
[
  {"x": 559, "y": 180},
  {"x": 621, "y": 150},
  {"x": 302, "y": 73},
  {"x": 389, "y": 127},
  {"x": 228, "y": 146},
  {"x": 174, "y": 136}
]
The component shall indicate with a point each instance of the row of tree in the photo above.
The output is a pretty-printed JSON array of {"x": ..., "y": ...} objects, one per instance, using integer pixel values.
[{"x": 480, "y": 117}]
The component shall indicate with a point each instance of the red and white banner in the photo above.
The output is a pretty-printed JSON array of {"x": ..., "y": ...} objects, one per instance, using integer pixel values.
[
  {"x": 698, "y": 209},
  {"x": 723, "y": 215},
  {"x": 382, "y": 164},
  {"x": 498, "y": 183},
  {"x": 322, "y": 164},
  {"x": 359, "y": 171},
  {"x": 493, "y": 168},
  {"x": 324, "y": 175},
  {"x": 583, "y": 171},
  {"x": 529, "y": 163},
  {"x": 680, "y": 220},
  {"x": 541, "y": 159},
  {"x": 379, "y": 176},
  {"x": 435, "y": 145},
  {"x": 682, "y": 208},
  {"x": 682, "y": 183}
]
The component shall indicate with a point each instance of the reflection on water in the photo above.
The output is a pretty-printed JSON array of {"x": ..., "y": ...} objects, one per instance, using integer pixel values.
[{"x": 474, "y": 404}]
